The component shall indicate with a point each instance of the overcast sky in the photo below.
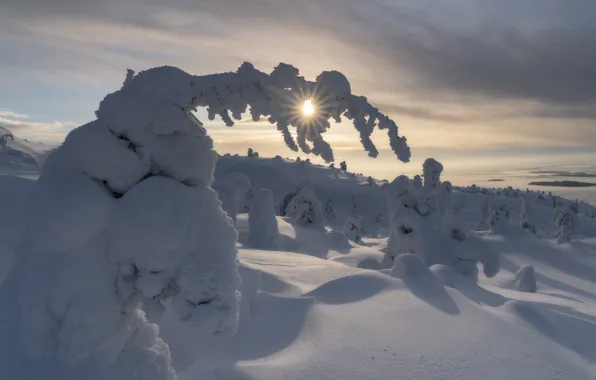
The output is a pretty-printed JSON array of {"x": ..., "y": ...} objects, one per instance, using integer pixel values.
[{"x": 475, "y": 83}]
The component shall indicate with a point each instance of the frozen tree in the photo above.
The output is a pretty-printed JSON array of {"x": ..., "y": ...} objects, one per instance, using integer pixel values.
[
  {"x": 352, "y": 231},
  {"x": 329, "y": 211},
  {"x": 286, "y": 201},
  {"x": 445, "y": 190},
  {"x": 250, "y": 152},
  {"x": 418, "y": 227},
  {"x": 417, "y": 182},
  {"x": 305, "y": 209},
  {"x": 123, "y": 218},
  {"x": 525, "y": 279},
  {"x": 343, "y": 166},
  {"x": 262, "y": 223},
  {"x": 400, "y": 194},
  {"x": 230, "y": 190},
  {"x": 431, "y": 171},
  {"x": 371, "y": 182},
  {"x": 564, "y": 223},
  {"x": 407, "y": 235},
  {"x": 462, "y": 251},
  {"x": 498, "y": 221},
  {"x": 527, "y": 219},
  {"x": 485, "y": 213},
  {"x": 248, "y": 197},
  {"x": 354, "y": 202}
]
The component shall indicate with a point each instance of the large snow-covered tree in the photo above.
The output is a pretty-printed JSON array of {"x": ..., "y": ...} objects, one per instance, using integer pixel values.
[{"x": 123, "y": 217}]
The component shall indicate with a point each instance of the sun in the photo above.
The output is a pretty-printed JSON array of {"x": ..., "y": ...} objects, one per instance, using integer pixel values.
[{"x": 308, "y": 108}]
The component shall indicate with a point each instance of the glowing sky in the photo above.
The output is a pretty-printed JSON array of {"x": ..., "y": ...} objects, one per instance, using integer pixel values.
[{"x": 477, "y": 84}]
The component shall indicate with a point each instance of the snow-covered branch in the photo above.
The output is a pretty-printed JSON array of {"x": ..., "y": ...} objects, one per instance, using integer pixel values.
[{"x": 279, "y": 96}]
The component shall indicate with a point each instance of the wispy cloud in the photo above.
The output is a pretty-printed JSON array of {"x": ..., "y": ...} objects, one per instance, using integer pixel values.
[
  {"x": 461, "y": 76},
  {"x": 11, "y": 115},
  {"x": 46, "y": 132}
]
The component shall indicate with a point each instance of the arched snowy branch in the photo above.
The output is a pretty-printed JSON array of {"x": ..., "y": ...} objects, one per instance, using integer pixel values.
[{"x": 279, "y": 96}]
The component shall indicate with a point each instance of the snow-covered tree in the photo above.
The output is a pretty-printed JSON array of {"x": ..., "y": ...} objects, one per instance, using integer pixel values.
[
  {"x": 250, "y": 152},
  {"x": 262, "y": 223},
  {"x": 400, "y": 194},
  {"x": 283, "y": 206},
  {"x": 431, "y": 171},
  {"x": 305, "y": 209},
  {"x": 354, "y": 207},
  {"x": 445, "y": 190},
  {"x": 485, "y": 213},
  {"x": 371, "y": 181},
  {"x": 351, "y": 229},
  {"x": 417, "y": 182},
  {"x": 564, "y": 223},
  {"x": 527, "y": 218},
  {"x": 343, "y": 166},
  {"x": 499, "y": 219},
  {"x": 123, "y": 217},
  {"x": 329, "y": 210},
  {"x": 418, "y": 227},
  {"x": 229, "y": 190},
  {"x": 247, "y": 199}
]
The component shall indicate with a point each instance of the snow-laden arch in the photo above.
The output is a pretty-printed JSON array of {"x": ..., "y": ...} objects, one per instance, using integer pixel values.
[{"x": 279, "y": 96}]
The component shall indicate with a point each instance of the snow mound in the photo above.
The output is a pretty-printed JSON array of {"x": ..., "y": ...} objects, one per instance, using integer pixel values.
[
  {"x": 525, "y": 279},
  {"x": 444, "y": 274}
]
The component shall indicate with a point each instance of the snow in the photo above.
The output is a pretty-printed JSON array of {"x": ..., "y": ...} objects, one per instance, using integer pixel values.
[
  {"x": 525, "y": 279},
  {"x": 18, "y": 156},
  {"x": 309, "y": 311},
  {"x": 121, "y": 262}
]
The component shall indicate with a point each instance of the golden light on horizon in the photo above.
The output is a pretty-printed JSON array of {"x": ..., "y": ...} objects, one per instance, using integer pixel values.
[{"x": 308, "y": 108}]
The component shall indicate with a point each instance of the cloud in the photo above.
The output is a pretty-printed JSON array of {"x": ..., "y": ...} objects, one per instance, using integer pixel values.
[
  {"x": 458, "y": 76},
  {"x": 11, "y": 115},
  {"x": 46, "y": 132}
]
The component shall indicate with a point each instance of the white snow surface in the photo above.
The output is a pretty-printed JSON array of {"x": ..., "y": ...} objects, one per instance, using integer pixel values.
[{"x": 310, "y": 311}]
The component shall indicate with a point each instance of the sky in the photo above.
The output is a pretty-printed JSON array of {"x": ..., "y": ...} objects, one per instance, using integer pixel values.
[{"x": 479, "y": 85}]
